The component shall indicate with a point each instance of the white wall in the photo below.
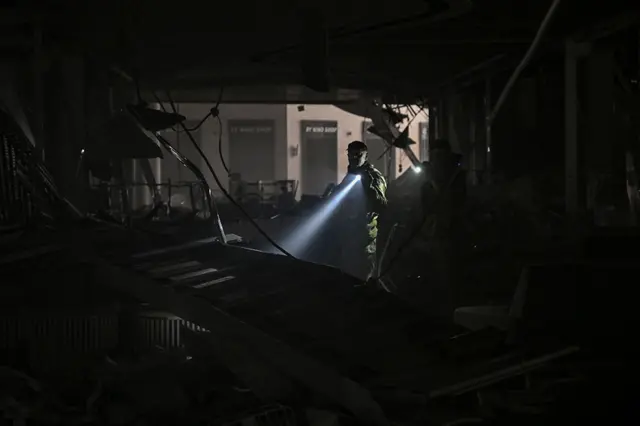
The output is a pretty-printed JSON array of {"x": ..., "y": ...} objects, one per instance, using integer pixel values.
[
  {"x": 287, "y": 134},
  {"x": 210, "y": 134},
  {"x": 349, "y": 129}
]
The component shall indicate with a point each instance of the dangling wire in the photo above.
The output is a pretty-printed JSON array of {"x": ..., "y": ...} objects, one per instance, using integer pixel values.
[
  {"x": 193, "y": 129},
  {"x": 224, "y": 191},
  {"x": 224, "y": 164},
  {"x": 198, "y": 173}
]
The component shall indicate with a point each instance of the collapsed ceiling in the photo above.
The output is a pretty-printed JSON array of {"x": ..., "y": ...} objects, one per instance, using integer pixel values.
[{"x": 405, "y": 47}]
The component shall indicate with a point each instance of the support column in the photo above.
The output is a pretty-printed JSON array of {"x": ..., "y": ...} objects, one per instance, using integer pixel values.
[
  {"x": 488, "y": 164},
  {"x": 571, "y": 131},
  {"x": 481, "y": 138},
  {"x": 602, "y": 147},
  {"x": 433, "y": 123},
  {"x": 38, "y": 91},
  {"x": 476, "y": 147},
  {"x": 121, "y": 94},
  {"x": 453, "y": 122},
  {"x": 573, "y": 205},
  {"x": 98, "y": 112},
  {"x": 441, "y": 117}
]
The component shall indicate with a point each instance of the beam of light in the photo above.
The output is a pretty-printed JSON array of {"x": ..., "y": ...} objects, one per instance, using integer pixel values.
[{"x": 303, "y": 236}]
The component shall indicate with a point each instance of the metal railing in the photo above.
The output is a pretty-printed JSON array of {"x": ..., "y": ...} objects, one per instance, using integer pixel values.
[
  {"x": 193, "y": 197},
  {"x": 50, "y": 342},
  {"x": 16, "y": 206},
  {"x": 26, "y": 187}
]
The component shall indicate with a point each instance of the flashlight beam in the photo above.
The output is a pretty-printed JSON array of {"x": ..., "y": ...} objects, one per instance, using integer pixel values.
[{"x": 301, "y": 237}]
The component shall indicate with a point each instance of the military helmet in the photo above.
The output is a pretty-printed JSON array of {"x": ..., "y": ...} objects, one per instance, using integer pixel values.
[{"x": 357, "y": 146}]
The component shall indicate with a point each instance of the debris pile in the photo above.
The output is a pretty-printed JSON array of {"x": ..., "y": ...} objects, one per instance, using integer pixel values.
[{"x": 159, "y": 388}]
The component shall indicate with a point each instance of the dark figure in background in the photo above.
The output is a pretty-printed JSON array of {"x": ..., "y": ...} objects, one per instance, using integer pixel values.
[
  {"x": 358, "y": 229},
  {"x": 445, "y": 182},
  {"x": 444, "y": 195}
]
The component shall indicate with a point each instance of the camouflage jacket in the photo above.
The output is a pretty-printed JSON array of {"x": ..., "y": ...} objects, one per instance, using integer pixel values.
[
  {"x": 375, "y": 186},
  {"x": 360, "y": 216}
]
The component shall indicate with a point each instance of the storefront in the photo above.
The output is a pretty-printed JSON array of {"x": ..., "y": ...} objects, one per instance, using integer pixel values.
[
  {"x": 252, "y": 149},
  {"x": 319, "y": 152}
]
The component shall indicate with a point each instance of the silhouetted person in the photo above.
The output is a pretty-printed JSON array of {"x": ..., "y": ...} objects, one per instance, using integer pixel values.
[
  {"x": 359, "y": 212},
  {"x": 443, "y": 199}
]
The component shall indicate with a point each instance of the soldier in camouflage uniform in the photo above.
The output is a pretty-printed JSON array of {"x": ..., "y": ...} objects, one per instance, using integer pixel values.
[{"x": 359, "y": 214}]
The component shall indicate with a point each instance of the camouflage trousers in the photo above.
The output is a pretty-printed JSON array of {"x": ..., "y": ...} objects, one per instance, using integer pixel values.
[{"x": 358, "y": 249}]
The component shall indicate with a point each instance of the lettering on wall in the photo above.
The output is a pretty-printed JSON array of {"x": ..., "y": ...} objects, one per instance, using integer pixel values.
[
  {"x": 252, "y": 149},
  {"x": 320, "y": 129},
  {"x": 250, "y": 129},
  {"x": 319, "y": 152}
]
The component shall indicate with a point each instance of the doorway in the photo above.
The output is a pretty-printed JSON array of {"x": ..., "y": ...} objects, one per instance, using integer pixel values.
[
  {"x": 252, "y": 149},
  {"x": 319, "y": 145}
]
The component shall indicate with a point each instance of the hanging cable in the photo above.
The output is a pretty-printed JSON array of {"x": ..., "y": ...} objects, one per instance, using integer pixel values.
[
  {"x": 415, "y": 114},
  {"x": 160, "y": 103},
  {"x": 198, "y": 173},
  {"x": 224, "y": 164},
  {"x": 215, "y": 111},
  {"x": 192, "y": 129},
  {"x": 200, "y": 123},
  {"x": 213, "y": 209},
  {"x": 224, "y": 191}
]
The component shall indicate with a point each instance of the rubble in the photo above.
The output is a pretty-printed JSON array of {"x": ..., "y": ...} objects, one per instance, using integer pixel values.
[{"x": 160, "y": 388}]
